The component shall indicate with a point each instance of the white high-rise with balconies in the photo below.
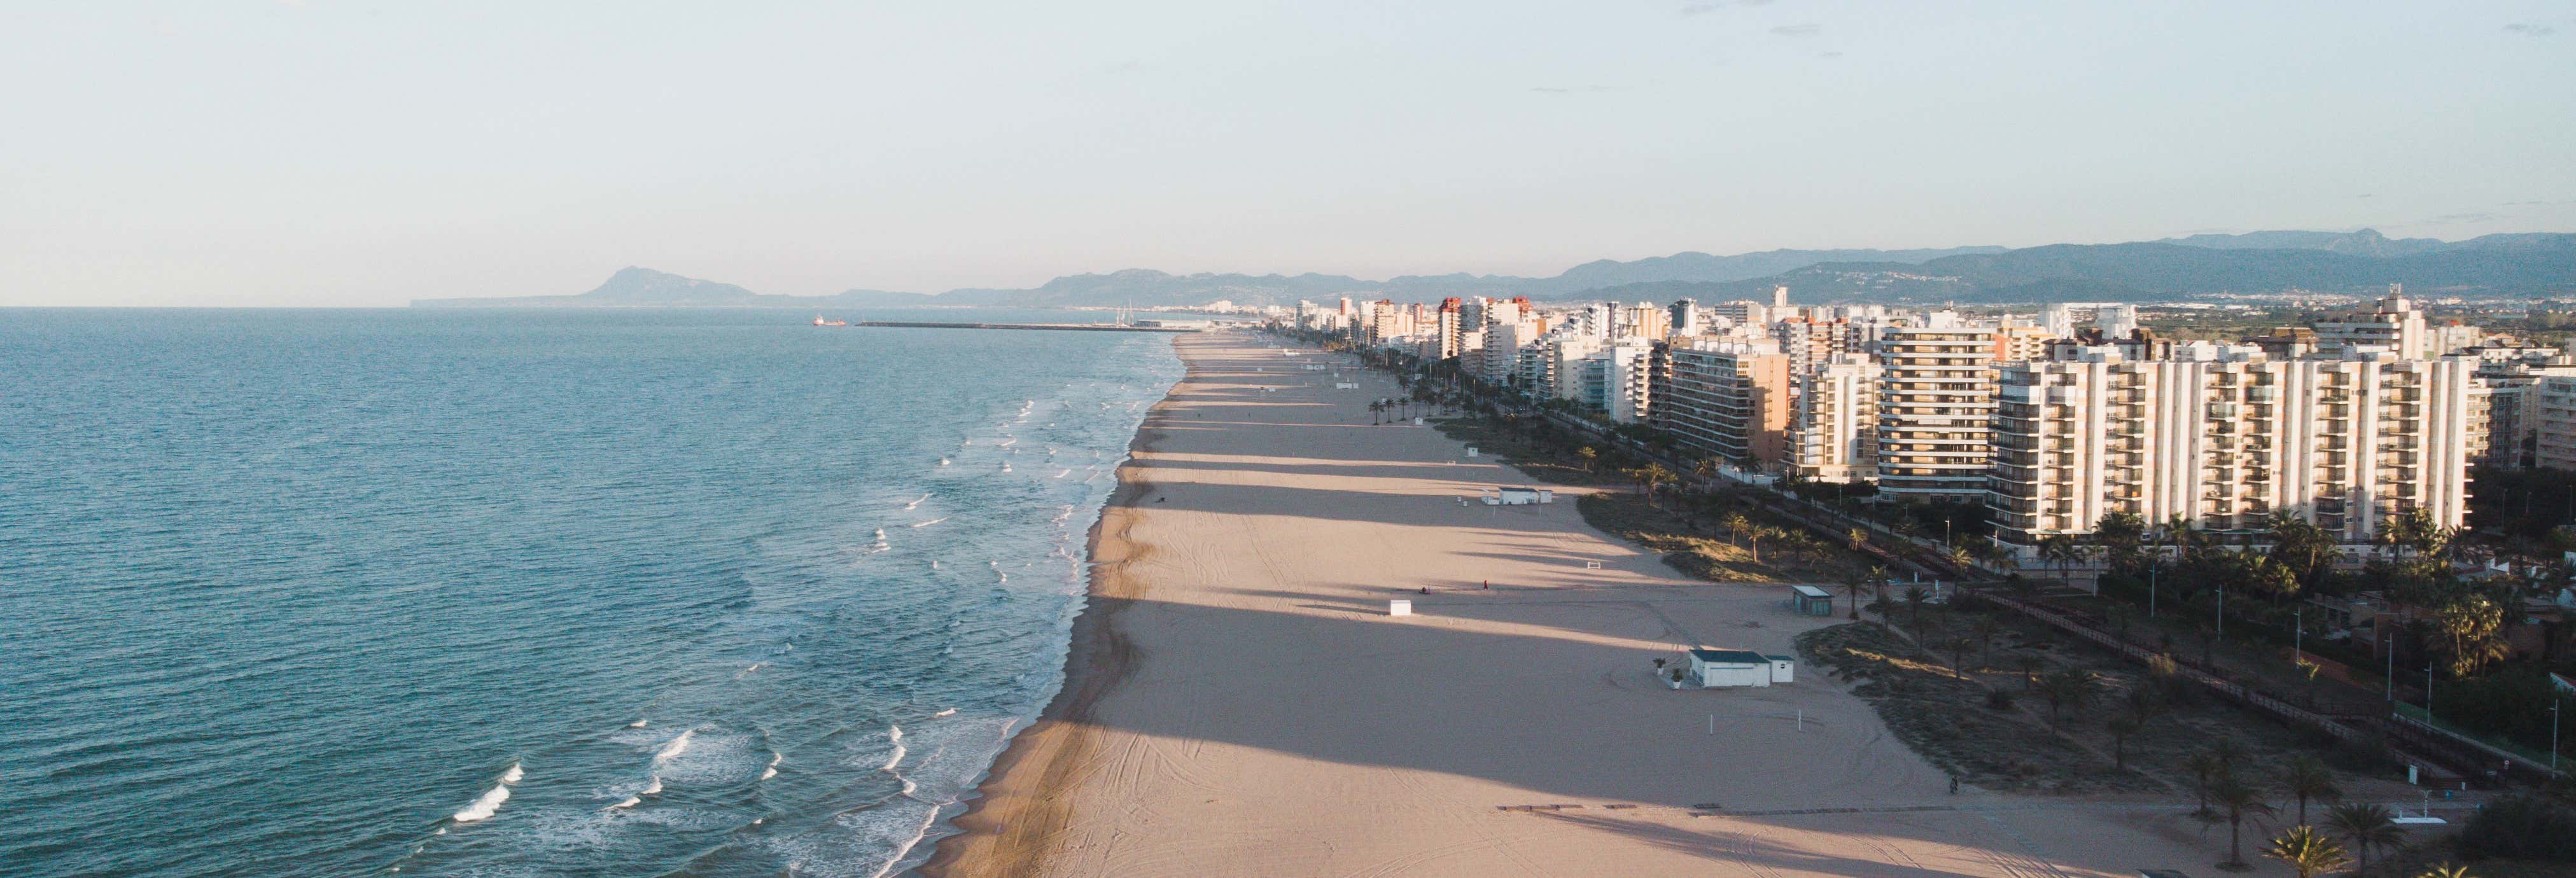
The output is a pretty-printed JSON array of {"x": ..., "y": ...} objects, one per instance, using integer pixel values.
[
  {"x": 2224, "y": 437},
  {"x": 1834, "y": 435}
]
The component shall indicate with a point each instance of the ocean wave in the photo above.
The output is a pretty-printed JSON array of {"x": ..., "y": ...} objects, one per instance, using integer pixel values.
[
  {"x": 771, "y": 771},
  {"x": 932, "y": 521},
  {"x": 652, "y": 787},
  {"x": 490, "y": 802},
  {"x": 673, "y": 750},
  {"x": 908, "y": 506},
  {"x": 894, "y": 735}
]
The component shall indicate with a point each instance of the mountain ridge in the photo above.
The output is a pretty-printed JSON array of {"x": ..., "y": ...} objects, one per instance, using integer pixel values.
[{"x": 2518, "y": 263}]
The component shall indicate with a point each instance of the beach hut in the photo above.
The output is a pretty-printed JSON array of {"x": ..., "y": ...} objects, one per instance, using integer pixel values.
[
  {"x": 1722, "y": 668},
  {"x": 1809, "y": 600},
  {"x": 1729, "y": 668},
  {"x": 1518, "y": 496}
]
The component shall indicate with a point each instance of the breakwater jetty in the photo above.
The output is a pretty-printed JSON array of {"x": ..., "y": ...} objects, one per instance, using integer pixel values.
[{"x": 1066, "y": 327}]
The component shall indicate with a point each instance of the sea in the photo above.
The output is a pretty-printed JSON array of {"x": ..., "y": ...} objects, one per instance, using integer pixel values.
[{"x": 533, "y": 592}]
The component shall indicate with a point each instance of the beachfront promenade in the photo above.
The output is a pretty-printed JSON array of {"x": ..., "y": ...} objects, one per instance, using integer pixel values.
[{"x": 1240, "y": 703}]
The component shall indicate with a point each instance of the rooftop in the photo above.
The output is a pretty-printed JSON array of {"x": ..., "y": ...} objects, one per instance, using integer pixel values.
[{"x": 1729, "y": 656}]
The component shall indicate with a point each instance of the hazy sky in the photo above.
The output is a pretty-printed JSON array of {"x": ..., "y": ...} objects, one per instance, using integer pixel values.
[{"x": 367, "y": 153}]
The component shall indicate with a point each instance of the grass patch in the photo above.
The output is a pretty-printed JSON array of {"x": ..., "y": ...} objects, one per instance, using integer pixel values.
[
  {"x": 1687, "y": 549},
  {"x": 1943, "y": 717},
  {"x": 1534, "y": 456}
]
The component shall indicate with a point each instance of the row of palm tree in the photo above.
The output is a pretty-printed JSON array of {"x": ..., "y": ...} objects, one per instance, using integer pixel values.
[
  {"x": 2310, "y": 852},
  {"x": 2225, "y": 794}
]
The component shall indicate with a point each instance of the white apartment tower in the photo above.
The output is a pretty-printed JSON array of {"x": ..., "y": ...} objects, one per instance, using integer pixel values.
[
  {"x": 2395, "y": 327},
  {"x": 2226, "y": 437},
  {"x": 1835, "y": 431}
]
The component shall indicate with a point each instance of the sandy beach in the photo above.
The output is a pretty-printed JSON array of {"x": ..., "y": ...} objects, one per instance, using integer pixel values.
[{"x": 1239, "y": 702}]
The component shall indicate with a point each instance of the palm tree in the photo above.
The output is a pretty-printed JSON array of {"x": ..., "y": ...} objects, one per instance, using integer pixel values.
[
  {"x": 2073, "y": 687},
  {"x": 2445, "y": 870},
  {"x": 2365, "y": 826},
  {"x": 2307, "y": 778},
  {"x": 2241, "y": 800},
  {"x": 1960, "y": 558},
  {"x": 1985, "y": 629},
  {"x": 1588, "y": 455},
  {"x": 2205, "y": 768},
  {"x": 2468, "y": 627},
  {"x": 2231, "y": 753},
  {"x": 1754, "y": 536},
  {"x": 2060, "y": 549},
  {"x": 1857, "y": 583},
  {"x": 1735, "y": 524},
  {"x": 1959, "y": 647},
  {"x": 2307, "y": 852},
  {"x": 2121, "y": 727},
  {"x": 1653, "y": 476},
  {"x": 1914, "y": 598},
  {"x": 1859, "y": 540}
]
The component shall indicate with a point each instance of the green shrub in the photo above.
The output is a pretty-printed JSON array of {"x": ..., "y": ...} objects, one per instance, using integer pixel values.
[{"x": 2521, "y": 826}]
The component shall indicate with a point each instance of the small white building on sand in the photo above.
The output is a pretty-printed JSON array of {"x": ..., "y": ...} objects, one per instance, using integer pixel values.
[
  {"x": 1518, "y": 496},
  {"x": 1727, "y": 668}
]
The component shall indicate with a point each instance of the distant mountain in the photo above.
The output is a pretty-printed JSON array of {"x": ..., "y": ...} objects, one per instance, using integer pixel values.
[
  {"x": 2534, "y": 264},
  {"x": 2514, "y": 264},
  {"x": 1706, "y": 268},
  {"x": 2367, "y": 242}
]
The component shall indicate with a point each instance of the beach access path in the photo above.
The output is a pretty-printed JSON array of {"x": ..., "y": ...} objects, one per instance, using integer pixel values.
[{"x": 1239, "y": 702}]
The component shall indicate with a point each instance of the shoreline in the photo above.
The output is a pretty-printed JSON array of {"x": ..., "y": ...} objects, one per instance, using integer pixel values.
[{"x": 1006, "y": 821}]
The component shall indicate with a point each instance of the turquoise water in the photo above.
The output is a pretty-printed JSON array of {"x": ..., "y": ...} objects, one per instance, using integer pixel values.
[{"x": 531, "y": 592}]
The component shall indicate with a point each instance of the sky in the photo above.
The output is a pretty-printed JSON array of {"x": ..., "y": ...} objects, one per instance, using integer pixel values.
[{"x": 328, "y": 153}]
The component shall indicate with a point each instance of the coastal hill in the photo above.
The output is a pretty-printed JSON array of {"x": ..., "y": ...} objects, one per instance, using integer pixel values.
[{"x": 2534, "y": 264}]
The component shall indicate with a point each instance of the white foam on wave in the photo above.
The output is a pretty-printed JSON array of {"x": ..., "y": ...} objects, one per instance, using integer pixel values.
[
  {"x": 672, "y": 751},
  {"x": 894, "y": 735},
  {"x": 651, "y": 788},
  {"x": 943, "y": 461},
  {"x": 1006, "y": 466},
  {"x": 917, "y": 502},
  {"x": 932, "y": 521},
  {"x": 490, "y": 802},
  {"x": 775, "y": 757},
  {"x": 636, "y": 724},
  {"x": 1063, "y": 473},
  {"x": 949, "y": 712}
]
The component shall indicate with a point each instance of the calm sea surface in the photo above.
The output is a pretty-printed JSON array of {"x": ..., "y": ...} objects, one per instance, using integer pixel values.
[{"x": 531, "y": 592}]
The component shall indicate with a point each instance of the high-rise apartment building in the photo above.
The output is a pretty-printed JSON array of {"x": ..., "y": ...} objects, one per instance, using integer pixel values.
[
  {"x": 1810, "y": 342},
  {"x": 2394, "y": 326},
  {"x": 1729, "y": 399},
  {"x": 1934, "y": 399},
  {"x": 2225, "y": 436},
  {"x": 1836, "y": 423}
]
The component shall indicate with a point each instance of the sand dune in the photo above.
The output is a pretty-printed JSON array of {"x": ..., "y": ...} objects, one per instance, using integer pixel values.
[{"x": 1239, "y": 703}]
